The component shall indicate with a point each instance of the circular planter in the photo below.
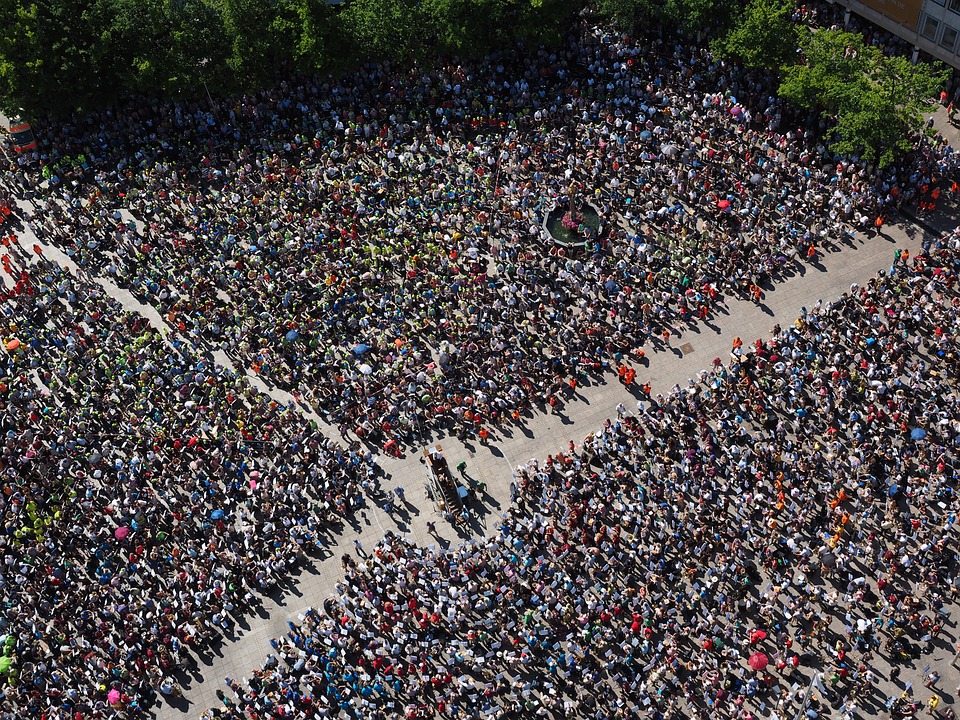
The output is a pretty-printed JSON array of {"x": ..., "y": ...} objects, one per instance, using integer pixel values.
[{"x": 555, "y": 232}]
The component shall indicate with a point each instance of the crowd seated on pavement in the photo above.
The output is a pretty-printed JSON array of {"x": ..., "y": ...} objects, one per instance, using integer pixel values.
[
  {"x": 149, "y": 498},
  {"x": 373, "y": 245}
]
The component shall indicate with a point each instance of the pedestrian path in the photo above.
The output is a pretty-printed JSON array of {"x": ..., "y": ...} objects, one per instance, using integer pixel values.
[
  {"x": 693, "y": 351},
  {"x": 493, "y": 463}
]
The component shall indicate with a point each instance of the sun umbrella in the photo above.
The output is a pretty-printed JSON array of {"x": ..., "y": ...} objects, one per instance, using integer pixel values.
[
  {"x": 121, "y": 532},
  {"x": 360, "y": 348},
  {"x": 918, "y": 433},
  {"x": 736, "y": 110},
  {"x": 365, "y": 369},
  {"x": 758, "y": 661},
  {"x": 292, "y": 335},
  {"x": 646, "y": 135},
  {"x": 113, "y": 696},
  {"x": 13, "y": 344},
  {"x": 723, "y": 204},
  {"x": 755, "y": 179},
  {"x": 216, "y": 514}
]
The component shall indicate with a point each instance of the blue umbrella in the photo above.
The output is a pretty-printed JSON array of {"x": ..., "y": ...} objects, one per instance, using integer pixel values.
[
  {"x": 360, "y": 348},
  {"x": 918, "y": 433},
  {"x": 292, "y": 335},
  {"x": 216, "y": 514},
  {"x": 893, "y": 490},
  {"x": 646, "y": 135}
]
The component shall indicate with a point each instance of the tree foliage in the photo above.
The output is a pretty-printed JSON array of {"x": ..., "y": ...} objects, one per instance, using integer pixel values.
[
  {"x": 389, "y": 29},
  {"x": 648, "y": 16},
  {"x": 877, "y": 102},
  {"x": 763, "y": 36},
  {"x": 57, "y": 56}
]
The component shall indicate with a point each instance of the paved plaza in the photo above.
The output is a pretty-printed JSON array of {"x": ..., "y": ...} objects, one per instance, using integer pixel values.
[
  {"x": 543, "y": 433},
  {"x": 493, "y": 463}
]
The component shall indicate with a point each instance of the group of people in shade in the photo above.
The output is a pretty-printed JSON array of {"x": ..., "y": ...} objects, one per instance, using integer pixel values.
[
  {"x": 790, "y": 513},
  {"x": 374, "y": 244}
]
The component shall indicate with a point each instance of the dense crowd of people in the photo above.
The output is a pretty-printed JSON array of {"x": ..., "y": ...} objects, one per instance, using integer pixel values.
[
  {"x": 375, "y": 243},
  {"x": 792, "y": 510},
  {"x": 148, "y": 498}
]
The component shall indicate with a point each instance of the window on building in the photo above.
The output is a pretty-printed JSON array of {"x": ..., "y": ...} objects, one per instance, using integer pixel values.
[
  {"x": 949, "y": 38},
  {"x": 953, "y": 5},
  {"x": 930, "y": 28}
]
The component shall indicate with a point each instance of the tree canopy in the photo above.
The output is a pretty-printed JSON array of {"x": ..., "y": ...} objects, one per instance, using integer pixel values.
[
  {"x": 876, "y": 102},
  {"x": 57, "y": 56},
  {"x": 763, "y": 36},
  {"x": 645, "y": 16}
]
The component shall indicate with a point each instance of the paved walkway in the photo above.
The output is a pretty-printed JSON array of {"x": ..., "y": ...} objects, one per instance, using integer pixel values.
[
  {"x": 543, "y": 434},
  {"x": 693, "y": 351}
]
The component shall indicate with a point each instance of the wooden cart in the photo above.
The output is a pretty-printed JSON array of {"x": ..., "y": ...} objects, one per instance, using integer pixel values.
[{"x": 442, "y": 487}]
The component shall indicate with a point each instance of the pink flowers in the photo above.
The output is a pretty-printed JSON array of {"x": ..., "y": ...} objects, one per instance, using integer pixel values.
[{"x": 571, "y": 222}]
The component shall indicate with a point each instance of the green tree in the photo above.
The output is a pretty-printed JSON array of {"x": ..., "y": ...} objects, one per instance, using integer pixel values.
[
  {"x": 50, "y": 58},
  {"x": 536, "y": 21},
  {"x": 159, "y": 45},
  {"x": 764, "y": 36},
  {"x": 62, "y": 55},
  {"x": 465, "y": 25},
  {"x": 648, "y": 16},
  {"x": 700, "y": 15},
  {"x": 632, "y": 16},
  {"x": 254, "y": 52},
  {"x": 304, "y": 25},
  {"x": 20, "y": 54},
  {"x": 388, "y": 29},
  {"x": 876, "y": 102}
]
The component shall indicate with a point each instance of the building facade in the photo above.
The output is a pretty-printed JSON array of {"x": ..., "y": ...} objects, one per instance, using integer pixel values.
[{"x": 931, "y": 25}]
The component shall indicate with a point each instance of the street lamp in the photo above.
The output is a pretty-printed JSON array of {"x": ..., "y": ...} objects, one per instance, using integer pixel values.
[{"x": 213, "y": 108}]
